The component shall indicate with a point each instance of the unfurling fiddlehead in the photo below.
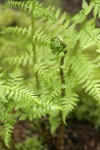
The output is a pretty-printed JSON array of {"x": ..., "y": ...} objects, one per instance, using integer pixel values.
[{"x": 58, "y": 45}]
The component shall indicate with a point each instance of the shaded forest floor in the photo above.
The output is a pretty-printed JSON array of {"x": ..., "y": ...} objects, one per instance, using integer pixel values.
[
  {"x": 78, "y": 136},
  {"x": 82, "y": 136}
]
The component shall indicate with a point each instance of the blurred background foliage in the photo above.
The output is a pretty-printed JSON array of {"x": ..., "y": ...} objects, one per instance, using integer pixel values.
[{"x": 87, "y": 110}]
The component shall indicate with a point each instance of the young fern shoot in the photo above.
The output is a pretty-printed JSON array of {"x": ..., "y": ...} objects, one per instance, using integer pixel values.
[{"x": 59, "y": 65}]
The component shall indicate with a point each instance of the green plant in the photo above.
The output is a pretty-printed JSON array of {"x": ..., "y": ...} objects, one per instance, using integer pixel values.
[
  {"x": 58, "y": 56},
  {"x": 30, "y": 143}
]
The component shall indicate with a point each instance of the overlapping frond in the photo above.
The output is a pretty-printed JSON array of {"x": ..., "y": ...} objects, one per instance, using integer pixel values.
[
  {"x": 19, "y": 5},
  {"x": 87, "y": 8},
  {"x": 15, "y": 78},
  {"x": 84, "y": 71},
  {"x": 45, "y": 73},
  {"x": 7, "y": 133},
  {"x": 97, "y": 61},
  {"x": 7, "y": 119},
  {"x": 39, "y": 11},
  {"x": 39, "y": 36},
  {"x": 23, "y": 59},
  {"x": 17, "y": 31},
  {"x": 59, "y": 22},
  {"x": 21, "y": 93},
  {"x": 54, "y": 122},
  {"x": 96, "y": 10},
  {"x": 68, "y": 104},
  {"x": 89, "y": 35}
]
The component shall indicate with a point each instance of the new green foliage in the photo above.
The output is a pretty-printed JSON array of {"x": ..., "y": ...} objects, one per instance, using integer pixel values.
[{"x": 58, "y": 64}]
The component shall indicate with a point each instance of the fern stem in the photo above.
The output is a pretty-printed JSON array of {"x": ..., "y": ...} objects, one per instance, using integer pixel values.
[
  {"x": 62, "y": 75},
  {"x": 33, "y": 44},
  {"x": 61, "y": 127}
]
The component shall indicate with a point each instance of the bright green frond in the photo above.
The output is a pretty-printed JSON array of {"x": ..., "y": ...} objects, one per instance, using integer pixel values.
[
  {"x": 84, "y": 71},
  {"x": 68, "y": 104},
  {"x": 20, "y": 60},
  {"x": 39, "y": 37}
]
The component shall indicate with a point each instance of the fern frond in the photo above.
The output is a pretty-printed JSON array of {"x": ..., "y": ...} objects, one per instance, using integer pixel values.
[
  {"x": 96, "y": 10},
  {"x": 20, "y": 60},
  {"x": 54, "y": 94},
  {"x": 84, "y": 71},
  {"x": 81, "y": 16},
  {"x": 17, "y": 30},
  {"x": 39, "y": 37},
  {"x": 39, "y": 12},
  {"x": 44, "y": 13},
  {"x": 50, "y": 106},
  {"x": 89, "y": 35},
  {"x": 68, "y": 104},
  {"x": 15, "y": 78},
  {"x": 19, "y": 5},
  {"x": 7, "y": 134},
  {"x": 44, "y": 73},
  {"x": 8, "y": 121},
  {"x": 54, "y": 122},
  {"x": 92, "y": 32},
  {"x": 50, "y": 75},
  {"x": 93, "y": 36},
  {"x": 2, "y": 94},
  {"x": 87, "y": 8},
  {"x": 97, "y": 61},
  {"x": 59, "y": 26},
  {"x": 20, "y": 93},
  {"x": 49, "y": 102},
  {"x": 34, "y": 112}
]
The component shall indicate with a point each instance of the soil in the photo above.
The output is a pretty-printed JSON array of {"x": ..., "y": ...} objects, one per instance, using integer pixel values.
[
  {"x": 78, "y": 136},
  {"x": 82, "y": 136}
]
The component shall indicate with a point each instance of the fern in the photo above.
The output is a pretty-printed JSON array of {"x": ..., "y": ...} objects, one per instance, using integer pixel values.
[
  {"x": 84, "y": 71},
  {"x": 20, "y": 60},
  {"x": 39, "y": 36},
  {"x": 59, "y": 64},
  {"x": 39, "y": 11},
  {"x": 68, "y": 104},
  {"x": 97, "y": 61},
  {"x": 87, "y": 8}
]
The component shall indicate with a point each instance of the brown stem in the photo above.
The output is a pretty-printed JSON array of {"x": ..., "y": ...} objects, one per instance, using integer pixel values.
[
  {"x": 54, "y": 143},
  {"x": 61, "y": 137},
  {"x": 62, "y": 75},
  {"x": 60, "y": 145}
]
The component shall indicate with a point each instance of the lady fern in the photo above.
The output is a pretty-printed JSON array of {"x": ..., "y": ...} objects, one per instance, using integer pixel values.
[{"x": 57, "y": 54}]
